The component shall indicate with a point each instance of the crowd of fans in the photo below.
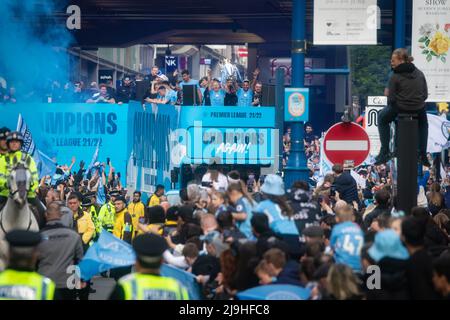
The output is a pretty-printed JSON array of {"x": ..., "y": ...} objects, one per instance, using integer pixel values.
[
  {"x": 340, "y": 238},
  {"x": 163, "y": 89},
  {"x": 233, "y": 237}
]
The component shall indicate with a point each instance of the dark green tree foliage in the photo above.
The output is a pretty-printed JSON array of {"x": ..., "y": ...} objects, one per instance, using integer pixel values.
[{"x": 370, "y": 67}]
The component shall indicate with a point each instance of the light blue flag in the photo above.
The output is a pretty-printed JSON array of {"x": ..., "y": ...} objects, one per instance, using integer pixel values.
[
  {"x": 101, "y": 198},
  {"x": 107, "y": 253},
  {"x": 93, "y": 161},
  {"x": 275, "y": 292},
  {"x": 28, "y": 145},
  {"x": 188, "y": 280},
  {"x": 44, "y": 164}
]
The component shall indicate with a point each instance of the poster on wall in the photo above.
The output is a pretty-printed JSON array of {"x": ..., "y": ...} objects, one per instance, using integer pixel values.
[
  {"x": 345, "y": 22},
  {"x": 431, "y": 44}
]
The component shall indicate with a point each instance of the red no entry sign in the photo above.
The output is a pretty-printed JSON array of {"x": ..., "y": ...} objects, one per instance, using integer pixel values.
[{"x": 346, "y": 142}]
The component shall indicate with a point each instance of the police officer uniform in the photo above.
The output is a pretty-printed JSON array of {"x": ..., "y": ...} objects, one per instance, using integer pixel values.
[
  {"x": 107, "y": 216},
  {"x": 3, "y": 135},
  {"x": 17, "y": 283},
  {"x": 11, "y": 158},
  {"x": 94, "y": 212},
  {"x": 3, "y": 178},
  {"x": 149, "y": 285}
]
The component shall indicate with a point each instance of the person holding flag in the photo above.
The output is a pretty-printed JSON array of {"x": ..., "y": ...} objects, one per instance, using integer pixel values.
[{"x": 124, "y": 230}]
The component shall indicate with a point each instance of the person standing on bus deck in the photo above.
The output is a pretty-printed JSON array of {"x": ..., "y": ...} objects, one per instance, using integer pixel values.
[
  {"x": 407, "y": 93},
  {"x": 155, "y": 198}
]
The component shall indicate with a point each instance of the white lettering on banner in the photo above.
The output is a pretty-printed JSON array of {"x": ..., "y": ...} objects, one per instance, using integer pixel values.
[
  {"x": 114, "y": 260},
  {"x": 233, "y": 148},
  {"x": 430, "y": 45},
  {"x": 346, "y": 145}
]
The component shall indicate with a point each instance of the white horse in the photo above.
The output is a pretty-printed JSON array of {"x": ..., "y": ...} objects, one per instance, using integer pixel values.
[{"x": 16, "y": 214}]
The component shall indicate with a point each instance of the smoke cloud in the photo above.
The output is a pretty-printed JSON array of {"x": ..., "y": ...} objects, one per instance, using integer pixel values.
[{"x": 31, "y": 38}]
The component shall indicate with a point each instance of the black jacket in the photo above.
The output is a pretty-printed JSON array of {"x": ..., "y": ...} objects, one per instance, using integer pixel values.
[
  {"x": 408, "y": 88},
  {"x": 290, "y": 274},
  {"x": 436, "y": 240},
  {"x": 306, "y": 212},
  {"x": 419, "y": 271},
  {"x": 345, "y": 184},
  {"x": 378, "y": 211},
  {"x": 206, "y": 265},
  {"x": 394, "y": 283}
]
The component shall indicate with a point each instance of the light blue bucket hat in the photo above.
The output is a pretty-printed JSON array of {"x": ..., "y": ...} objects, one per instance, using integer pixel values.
[
  {"x": 388, "y": 244},
  {"x": 273, "y": 185}
]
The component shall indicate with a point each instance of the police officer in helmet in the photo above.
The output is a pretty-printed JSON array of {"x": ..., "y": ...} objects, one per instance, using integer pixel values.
[
  {"x": 147, "y": 283},
  {"x": 3, "y": 146},
  {"x": 14, "y": 143},
  {"x": 19, "y": 281},
  {"x": 3, "y": 152}
]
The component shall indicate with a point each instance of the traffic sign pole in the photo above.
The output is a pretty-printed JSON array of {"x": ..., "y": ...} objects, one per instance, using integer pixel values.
[{"x": 407, "y": 155}]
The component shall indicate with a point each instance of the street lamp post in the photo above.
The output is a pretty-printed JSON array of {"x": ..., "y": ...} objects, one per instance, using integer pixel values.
[{"x": 296, "y": 168}]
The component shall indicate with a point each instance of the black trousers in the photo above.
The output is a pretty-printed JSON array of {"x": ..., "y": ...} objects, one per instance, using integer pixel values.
[
  {"x": 65, "y": 294},
  {"x": 389, "y": 114},
  {"x": 118, "y": 273}
]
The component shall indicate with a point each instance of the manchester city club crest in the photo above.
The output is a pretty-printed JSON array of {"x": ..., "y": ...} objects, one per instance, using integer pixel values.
[{"x": 296, "y": 104}]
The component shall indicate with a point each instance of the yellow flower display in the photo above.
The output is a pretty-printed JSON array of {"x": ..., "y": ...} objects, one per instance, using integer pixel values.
[{"x": 440, "y": 43}]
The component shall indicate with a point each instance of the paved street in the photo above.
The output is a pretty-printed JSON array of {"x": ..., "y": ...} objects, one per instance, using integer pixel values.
[{"x": 103, "y": 286}]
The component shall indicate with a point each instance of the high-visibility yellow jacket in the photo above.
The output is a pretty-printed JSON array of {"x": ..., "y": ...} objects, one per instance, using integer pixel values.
[
  {"x": 137, "y": 211},
  {"x": 139, "y": 286},
  {"x": 85, "y": 226},
  {"x": 123, "y": 227},
  {"x": 7, "y": 161},
  {"x": 106, "y": 217},
  {"x": 25, "y": 285}
]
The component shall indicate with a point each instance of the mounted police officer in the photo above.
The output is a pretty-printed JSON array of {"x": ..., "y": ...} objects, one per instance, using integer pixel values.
[
  {"x": 147, "y": 283},
  {"x": 3, "y": 152},
  {"x": 3, "y": 146},
  {"x": 19, "y": 281},
  {"x": 14, "y": 142}
]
